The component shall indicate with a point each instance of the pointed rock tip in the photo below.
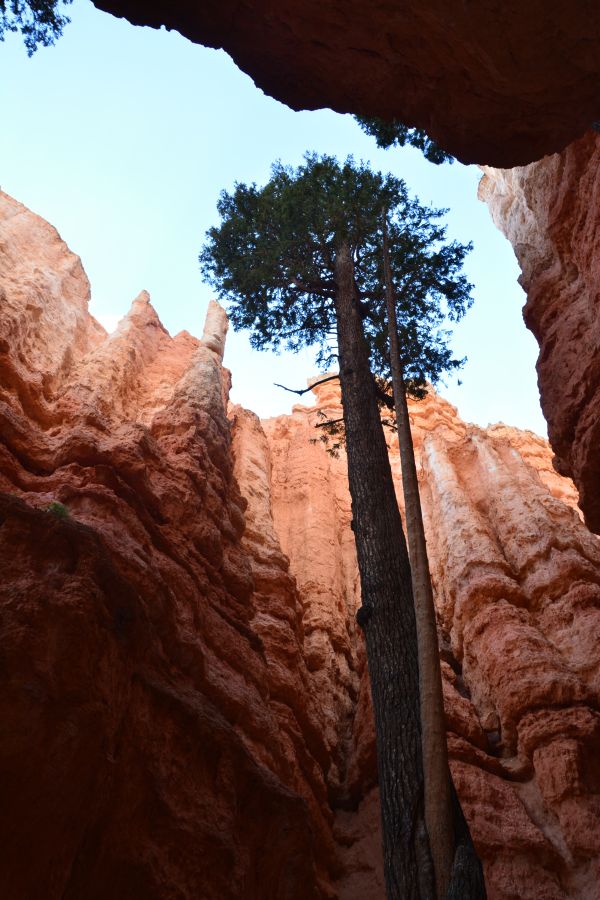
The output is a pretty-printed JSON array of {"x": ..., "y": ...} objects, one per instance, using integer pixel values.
[
  {"x": 142, "y": 307},
  {"x": 141, "y": 301},
  {"x": 140, "y": 313},
  {"x": 215, "y": 328}
]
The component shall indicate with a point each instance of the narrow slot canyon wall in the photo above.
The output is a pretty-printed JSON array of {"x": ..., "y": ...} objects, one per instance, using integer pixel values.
[
  {"x": 149, "y": 748},
  {"x": 184, "y": 694},
  {"x": 517, "y": 583},
  {"x": 549, "y": 212}
]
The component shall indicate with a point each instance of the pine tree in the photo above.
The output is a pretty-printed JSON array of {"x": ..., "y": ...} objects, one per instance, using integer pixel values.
[
  {"x": 424, "y": 285},
  {"x": 39, "y": 21},
  {"x": 297, "y": 261},
  {"x": 395, "y": 134}
]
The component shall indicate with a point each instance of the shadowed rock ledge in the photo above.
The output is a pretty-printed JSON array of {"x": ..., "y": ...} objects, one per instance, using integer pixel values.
[{"x": 498, "y": 83}]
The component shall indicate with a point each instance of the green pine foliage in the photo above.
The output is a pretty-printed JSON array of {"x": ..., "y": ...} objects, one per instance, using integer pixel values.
[
  {"x": 39, "y": 21},
  {"x": 272, "y": 261},
  {"x": 395, "y": 134},
  {"x": 431, "y": 291}
]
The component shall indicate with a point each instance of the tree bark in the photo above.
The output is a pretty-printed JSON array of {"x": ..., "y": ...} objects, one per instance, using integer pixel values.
[
  {"x": 438, "y": 802},
  {"x": 438, "y": 790},
  {"x": 387, "y": 612}
]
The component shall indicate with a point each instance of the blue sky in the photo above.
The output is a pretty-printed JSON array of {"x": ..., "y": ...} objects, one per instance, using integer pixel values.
[{"x": 123, "y": 137}]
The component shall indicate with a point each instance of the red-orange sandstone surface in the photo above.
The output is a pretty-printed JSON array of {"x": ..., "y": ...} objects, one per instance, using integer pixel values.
[
  {"x": 498, "y": 83},
  {"x": 149, "y": 748},
  {"x": 549, "y": 212},
  {"x": 184, "y": 697}
]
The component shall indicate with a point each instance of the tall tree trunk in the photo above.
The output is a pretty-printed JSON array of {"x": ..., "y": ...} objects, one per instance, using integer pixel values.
[
  {"x": 440, "y": 800},
  {"x": 387, "y": 612}
]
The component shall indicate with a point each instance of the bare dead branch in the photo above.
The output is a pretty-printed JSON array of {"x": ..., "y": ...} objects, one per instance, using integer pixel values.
[
  {"x": 330, "y": 422},
  {"x": 307, "y": 389}
]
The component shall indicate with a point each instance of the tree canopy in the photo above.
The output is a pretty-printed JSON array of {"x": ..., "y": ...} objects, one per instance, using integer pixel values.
[
  {"x": 394, "y": 134},
  {"x": 40, "y": 22},
  {"x": 272, "y": 260},
  {"x": 430, "y": 288}
]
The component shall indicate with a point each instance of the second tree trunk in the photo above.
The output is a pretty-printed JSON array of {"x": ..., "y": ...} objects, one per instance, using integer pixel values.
[{"x": 449, "y": 836}]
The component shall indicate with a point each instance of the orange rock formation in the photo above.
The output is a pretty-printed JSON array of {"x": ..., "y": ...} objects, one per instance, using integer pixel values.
[
  {"x": 148, "y": 749},
  {"x": 549, "y": 212},
  {"x": 516, "y": 577},
  {"x": 184, "y": 692}
]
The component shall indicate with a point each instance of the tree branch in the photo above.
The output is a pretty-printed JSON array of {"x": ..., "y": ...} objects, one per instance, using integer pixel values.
[
  {"x": 307, "y": 389},
  {"x": 365, "y": 310},
  {"x": 323, "y": 289},
  {"x": 386, "y": 399},
  {"x": 330, "y": 422}
]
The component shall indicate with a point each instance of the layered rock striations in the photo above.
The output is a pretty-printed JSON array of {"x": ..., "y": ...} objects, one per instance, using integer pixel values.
[
  {"x": 497, "y": 83},
  {"x": 149, "y": 748},
  {"x": 549, "y": 212},
  {"x": 517, "y": 584},
  {"x": 184, "y": 687}
]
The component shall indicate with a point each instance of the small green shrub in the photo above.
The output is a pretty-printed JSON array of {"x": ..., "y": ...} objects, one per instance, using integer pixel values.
[{"x": 58, "y": 509}]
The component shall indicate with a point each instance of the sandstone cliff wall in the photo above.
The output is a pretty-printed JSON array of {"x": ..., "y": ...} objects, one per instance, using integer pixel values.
[
  {"x": 150, "y": 747},
  {"x": 549, "y": 212},
  {"x": 517, "y": 584},
  {"x": 184, "y": 691}
]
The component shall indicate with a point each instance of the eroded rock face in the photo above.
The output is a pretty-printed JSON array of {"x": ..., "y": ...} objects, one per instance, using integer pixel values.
[
  {"x": 497, "y": 83},
  {"x": 150, "y": 749},
  {"x": 549, "y": 212},
  {"x": 517, "y": 584},
  {"x": 184, "y": 688}
]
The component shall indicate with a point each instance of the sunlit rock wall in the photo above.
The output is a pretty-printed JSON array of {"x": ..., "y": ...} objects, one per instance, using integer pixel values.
[
  {"x": 152, "y": 745},
  {"x": 184, "y": 696},
  {"x": 517, "y": 585},
  {"x": 549, "y": 212}
]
